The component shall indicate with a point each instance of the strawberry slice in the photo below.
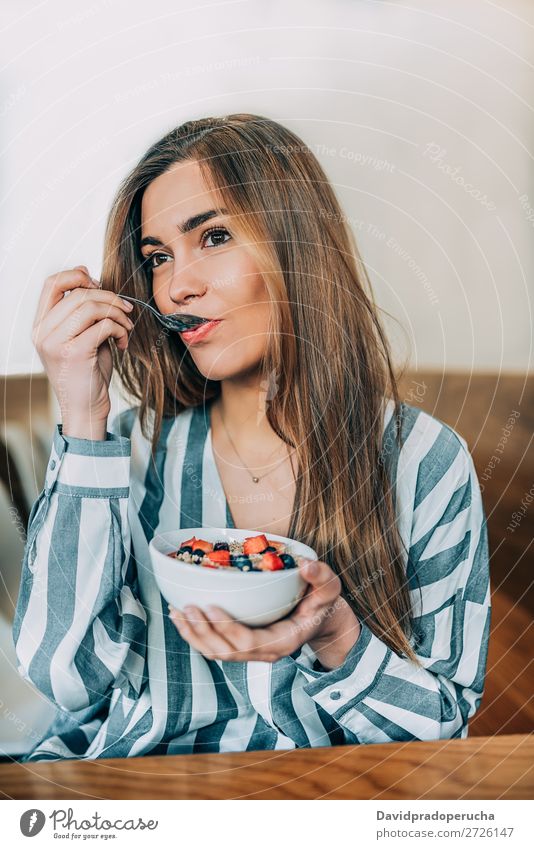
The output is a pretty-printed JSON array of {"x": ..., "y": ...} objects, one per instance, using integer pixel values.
[
  {"x": 221, "y": 557},
  {"x": 255, "y": 545},
  {"x": 189, "y": 542},
  {"x": 270, "y": 562},
  {"x": 205, "y": 546},
  {"x": 279, "y": 546}
]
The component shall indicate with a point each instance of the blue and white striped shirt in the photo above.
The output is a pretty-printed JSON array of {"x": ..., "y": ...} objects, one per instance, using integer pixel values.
[{"x": 92, "y": 632}]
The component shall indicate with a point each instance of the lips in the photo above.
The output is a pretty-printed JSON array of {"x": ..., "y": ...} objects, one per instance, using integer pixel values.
[{"x": 200, "y": 332}]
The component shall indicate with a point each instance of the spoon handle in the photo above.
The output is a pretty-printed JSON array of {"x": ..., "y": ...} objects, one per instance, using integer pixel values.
[
  {"x": 137, "y": 301},
  {"x": 175, "y": 321}
]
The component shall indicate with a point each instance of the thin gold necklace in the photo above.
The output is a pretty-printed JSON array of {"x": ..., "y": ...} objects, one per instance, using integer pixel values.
[{"x": 255, "y": 478}]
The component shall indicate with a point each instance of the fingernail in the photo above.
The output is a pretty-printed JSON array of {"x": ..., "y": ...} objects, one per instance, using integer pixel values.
[{"x": 127, "y": 304}]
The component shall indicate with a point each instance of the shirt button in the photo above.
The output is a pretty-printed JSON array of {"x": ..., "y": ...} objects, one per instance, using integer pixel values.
[
  {"x": 53, "y": 464},
  {"x": 335, "y": 695}
]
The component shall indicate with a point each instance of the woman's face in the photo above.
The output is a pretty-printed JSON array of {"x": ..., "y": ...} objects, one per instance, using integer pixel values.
[{"x": 200, "y": 267}]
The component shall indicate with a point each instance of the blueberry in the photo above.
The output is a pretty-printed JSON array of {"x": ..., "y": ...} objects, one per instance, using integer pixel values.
[
  {"x": 221, "y": 546},
  {"x": 199, "y": 552},
  {"x": 243, "y": 562},
  {"x": 186, "y": 549},
  {"x": 287, "y": 560},
  {"x": 269, "y": 548}
]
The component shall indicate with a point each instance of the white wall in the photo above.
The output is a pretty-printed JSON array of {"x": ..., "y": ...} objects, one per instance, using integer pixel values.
[{"x": 387, "y": 96}]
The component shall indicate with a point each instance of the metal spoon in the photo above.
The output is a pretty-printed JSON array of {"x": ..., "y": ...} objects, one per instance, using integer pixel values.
[{"x": 174, "y": 321}]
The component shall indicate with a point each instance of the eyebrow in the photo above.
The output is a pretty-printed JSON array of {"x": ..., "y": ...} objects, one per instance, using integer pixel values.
[{"x": 186, "y": 226}]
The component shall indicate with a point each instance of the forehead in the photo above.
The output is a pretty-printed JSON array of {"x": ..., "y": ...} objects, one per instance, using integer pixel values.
[{"x": 179, "y": 192}]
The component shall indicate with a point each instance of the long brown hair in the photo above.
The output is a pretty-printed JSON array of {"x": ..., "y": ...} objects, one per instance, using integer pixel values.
[{"x": 326, "y": 347}]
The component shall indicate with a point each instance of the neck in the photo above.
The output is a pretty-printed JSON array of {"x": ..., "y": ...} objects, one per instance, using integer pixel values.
[{"x": 242, "y": 407}]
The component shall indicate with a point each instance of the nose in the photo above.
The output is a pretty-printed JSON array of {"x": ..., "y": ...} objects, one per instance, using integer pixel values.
[{"x": 185, "y": 284}]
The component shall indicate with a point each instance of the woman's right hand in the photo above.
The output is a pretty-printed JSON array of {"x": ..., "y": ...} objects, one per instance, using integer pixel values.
[{"x": 71, "y": 336}]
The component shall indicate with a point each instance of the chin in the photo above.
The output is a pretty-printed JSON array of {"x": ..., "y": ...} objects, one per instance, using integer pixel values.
[{"x": 224, "y": 367}]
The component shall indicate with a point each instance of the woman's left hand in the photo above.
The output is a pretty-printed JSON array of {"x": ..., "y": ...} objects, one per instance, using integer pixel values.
[{"x": 323, "y": 619}]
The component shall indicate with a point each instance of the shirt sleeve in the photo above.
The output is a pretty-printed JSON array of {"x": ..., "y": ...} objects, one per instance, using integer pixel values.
[
  {"x": 79, "y": 628},
  {"x": 378, "y": 696}
]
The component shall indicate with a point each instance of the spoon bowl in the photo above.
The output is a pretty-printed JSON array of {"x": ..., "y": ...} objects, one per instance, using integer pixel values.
[{"x": 174, "y": 321}]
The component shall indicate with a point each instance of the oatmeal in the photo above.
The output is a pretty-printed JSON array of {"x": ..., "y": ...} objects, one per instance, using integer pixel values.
[{"x": 254, "y": 554}]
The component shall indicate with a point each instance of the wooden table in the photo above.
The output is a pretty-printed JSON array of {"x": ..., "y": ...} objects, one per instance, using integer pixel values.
[{"x": 499, "y": 767}]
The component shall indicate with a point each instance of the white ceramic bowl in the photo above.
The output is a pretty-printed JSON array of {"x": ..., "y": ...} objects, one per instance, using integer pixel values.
[{"x": 254, "y": 598}]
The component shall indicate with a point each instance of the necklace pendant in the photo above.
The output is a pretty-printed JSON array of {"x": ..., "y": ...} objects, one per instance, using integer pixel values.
[{"x": 255, "y": 480}]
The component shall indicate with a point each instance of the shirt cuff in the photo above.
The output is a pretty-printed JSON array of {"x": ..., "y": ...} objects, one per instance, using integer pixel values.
[
  {"x": 89, "y": 467},
  {"x": 338, "y": 690}
]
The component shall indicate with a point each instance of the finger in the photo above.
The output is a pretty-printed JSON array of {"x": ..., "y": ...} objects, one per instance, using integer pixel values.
[
  {"x": 268, "y": 644},
  {"x": 325, "y": 584},
  {"x": 56, "y": 285},
  {"x": 320, "y": 602},
  {"x": 80, "y": 296},
  {"x": 194, "y": 627},
  {"x": 282, "y": 637},
  {"x": 239, "y": 636},
  {"x": 73, "y": 318},
  {"x": 88, "y": 342}
]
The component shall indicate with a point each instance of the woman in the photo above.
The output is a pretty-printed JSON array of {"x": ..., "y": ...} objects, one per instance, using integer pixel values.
[{"x": 283, "y": 418}]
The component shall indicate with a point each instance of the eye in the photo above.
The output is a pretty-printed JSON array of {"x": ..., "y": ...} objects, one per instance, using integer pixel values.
[
  {"x": 148, "y": 260},
  {"x": 214, "y": 233}
]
